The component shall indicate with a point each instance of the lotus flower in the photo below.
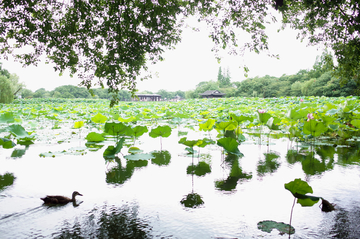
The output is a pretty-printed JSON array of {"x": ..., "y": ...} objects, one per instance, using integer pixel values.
[
  {"x": 310, "y": 116},
  {"x": 262, "y": 111},
  {"x": 301, "y": 100}
]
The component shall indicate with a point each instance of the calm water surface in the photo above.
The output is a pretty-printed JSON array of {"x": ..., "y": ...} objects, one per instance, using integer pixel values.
[{"x": 142, "y": 200}]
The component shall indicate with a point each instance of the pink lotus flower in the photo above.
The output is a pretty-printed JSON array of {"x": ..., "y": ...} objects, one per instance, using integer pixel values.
[
  {"x": 310, "y": 116},
  {"x": 301, "y": 100},
  {"x": 262, "y": 111}
]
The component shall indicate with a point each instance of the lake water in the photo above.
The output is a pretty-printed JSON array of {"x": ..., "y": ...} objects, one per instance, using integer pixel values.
[{"x": 143, "y": 199}]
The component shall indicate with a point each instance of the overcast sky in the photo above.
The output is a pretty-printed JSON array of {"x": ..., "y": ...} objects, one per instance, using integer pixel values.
[{"x": 192, "y": 62}]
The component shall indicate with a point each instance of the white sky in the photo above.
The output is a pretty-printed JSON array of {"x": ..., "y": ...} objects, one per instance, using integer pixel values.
[{"x": 192, "y": 62}]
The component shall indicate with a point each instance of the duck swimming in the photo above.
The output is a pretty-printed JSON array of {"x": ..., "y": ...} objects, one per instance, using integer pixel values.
[{"x": 60, "y": 199}]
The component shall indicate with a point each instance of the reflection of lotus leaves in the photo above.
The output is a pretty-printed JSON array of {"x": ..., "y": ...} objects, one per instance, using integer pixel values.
[
  {"x": 268, "y": 226},
  {"x": 161, "y": 157},
  {"x": 200, "y": 169},
  {"x": 6, "y": 180},
  {"x": 93, "y": 146},
  {"x": 192, "y": 200},
  {"x": 111, "y": 222},
  {"x": 18, "y": 153},
  {"x": 269, "y": 165},
  {"x": 119, "y": 175}
]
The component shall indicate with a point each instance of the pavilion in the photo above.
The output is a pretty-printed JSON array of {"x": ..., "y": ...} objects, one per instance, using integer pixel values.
[{"x": 212, "y": 94}]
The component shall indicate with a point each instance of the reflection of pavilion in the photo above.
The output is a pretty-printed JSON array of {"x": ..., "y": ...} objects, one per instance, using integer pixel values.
[{"x": 147, "y": 97}]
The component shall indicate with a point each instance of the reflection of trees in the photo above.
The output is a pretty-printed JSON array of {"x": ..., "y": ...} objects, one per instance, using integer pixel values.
[
  {"x": 235, "y": 175},
  {"x": 346, "y": 223},
  {"x": 161, "y": 157},
  {"x": 108, "y": 223},
  {"x": 6, "y": 180},
  {"x": 119, "y": 174},
  {"x": 269, "y": 165}
]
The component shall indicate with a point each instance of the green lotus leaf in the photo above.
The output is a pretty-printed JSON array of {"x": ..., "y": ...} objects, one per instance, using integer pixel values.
[
  {"x": 139, "y": 130},
  {"x": 20, "y": 133},
  {"x": 298, "y": 186},
  {"x": 315, "y": 128},
  {"x": 99, "y": 118},
  {"x": 240, "y": 118},
  {"x": 78, "y": 124},
  {"x": 94, "y": 137},
  {"x": 190, "y": 143},
  {"x": 230, "y": 145},
  {"x": 7, "y": 117},
  {"x": 160, "y": 131},
  {"x": 226, "y": 125},
  {"x": 208, "y": 125},
  {"x": 7, "y": 143},
  {"x": 263, "y": 117},
  {"x": 356, "y": 123},
  {"x": 268, "y": 226},
  {"x": 111, "y": 151},
  {"x": 118, "y": 129}
]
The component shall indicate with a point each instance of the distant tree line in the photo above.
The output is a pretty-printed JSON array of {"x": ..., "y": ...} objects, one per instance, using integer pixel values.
[
  {"x": 71, "y": 92},
  {"x": 318, "y": 81}
]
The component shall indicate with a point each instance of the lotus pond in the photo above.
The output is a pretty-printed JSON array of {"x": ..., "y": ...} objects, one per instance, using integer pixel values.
[{"x": 214, "y": 168}]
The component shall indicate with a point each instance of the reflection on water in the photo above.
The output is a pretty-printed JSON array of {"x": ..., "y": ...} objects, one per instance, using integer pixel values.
[
  {"x": 347, "y": 223},
  {"x": 220, "y": 195},
  {"x": 6, "y": 180},
  {"x": 236, "y": 174},
  {"x": 107, "y": 222}
]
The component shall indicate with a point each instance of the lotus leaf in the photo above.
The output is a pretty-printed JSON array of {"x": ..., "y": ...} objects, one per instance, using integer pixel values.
[
  {"x": 7, "y": 143},
  {"x": 230, "y": 145},
  {"x": 7, "y": 117},
  {"x": 94, "y": 137},
  {"x": 208, "y": 125},
  {"x": 268, "y": 226},
  {"x": 99, "y": 118},
  {"x": 160, "y": 131},
  {"x": 315, "y": 128},
  {"x": 78, "y": 124}
]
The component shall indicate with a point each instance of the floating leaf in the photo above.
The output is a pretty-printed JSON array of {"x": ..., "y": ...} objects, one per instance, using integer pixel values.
[
  {"x": 139, "y": 156},
  {"x": 268, "y": 226},
  {"x": 94, "y": 137},
  {"x": 20, "y": 133}
]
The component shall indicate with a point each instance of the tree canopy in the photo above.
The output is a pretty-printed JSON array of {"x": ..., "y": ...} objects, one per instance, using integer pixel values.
[{"x": 112, "y": 42}]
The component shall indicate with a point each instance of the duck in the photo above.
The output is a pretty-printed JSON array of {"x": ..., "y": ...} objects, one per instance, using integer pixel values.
[{"x": 60, "y": 199}]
